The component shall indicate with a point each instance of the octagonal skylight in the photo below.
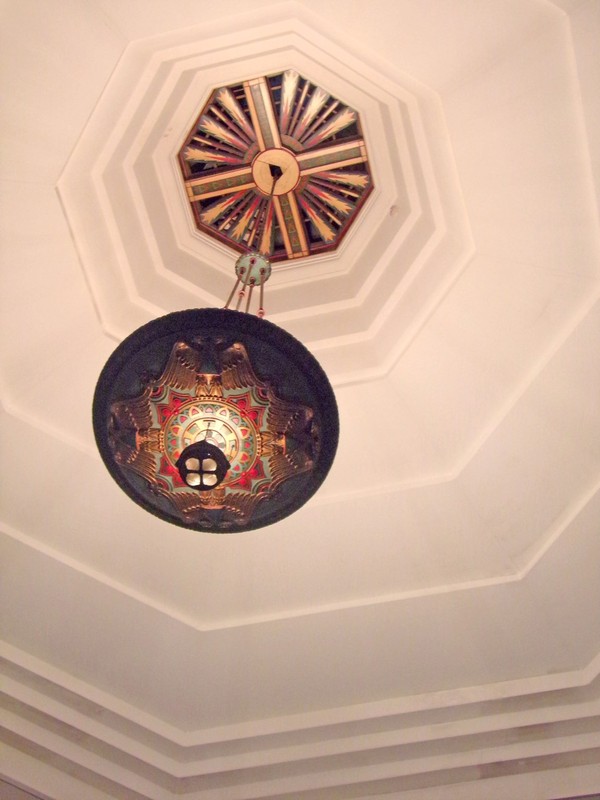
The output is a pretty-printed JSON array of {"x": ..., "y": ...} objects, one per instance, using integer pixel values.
[{"x": 276, "y": 164}]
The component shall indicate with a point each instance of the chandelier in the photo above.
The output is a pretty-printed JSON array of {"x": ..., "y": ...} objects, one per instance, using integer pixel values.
[{"x": 216, "y": 419}]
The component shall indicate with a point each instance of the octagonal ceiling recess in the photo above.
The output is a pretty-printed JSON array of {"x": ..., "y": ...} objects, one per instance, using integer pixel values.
[
  {"x": 276, "y": 165},
  {"x": 408, "y": 246},
  {"x": 430, "y": 622}
]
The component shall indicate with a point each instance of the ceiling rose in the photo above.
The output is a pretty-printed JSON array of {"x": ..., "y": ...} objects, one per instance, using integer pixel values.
[{"x": 276, "y": 165}]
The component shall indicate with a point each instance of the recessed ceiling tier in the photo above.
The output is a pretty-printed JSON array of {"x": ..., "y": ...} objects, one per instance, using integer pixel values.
[{"x": 139, "y": 242}]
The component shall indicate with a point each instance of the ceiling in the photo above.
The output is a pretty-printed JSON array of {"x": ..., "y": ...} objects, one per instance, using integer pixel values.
[{"x": 427, "y": 625}]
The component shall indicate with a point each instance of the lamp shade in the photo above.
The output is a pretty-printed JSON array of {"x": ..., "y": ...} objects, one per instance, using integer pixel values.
[{"x": 215, "y": 420}]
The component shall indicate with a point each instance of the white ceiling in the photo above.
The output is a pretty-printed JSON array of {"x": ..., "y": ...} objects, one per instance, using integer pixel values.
[{"x": 427, "y": 626}]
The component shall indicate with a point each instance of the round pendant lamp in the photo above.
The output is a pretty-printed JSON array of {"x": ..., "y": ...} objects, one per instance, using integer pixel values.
[{"x": 215, "y": 419}]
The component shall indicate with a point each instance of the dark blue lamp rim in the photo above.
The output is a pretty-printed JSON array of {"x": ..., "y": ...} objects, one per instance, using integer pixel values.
[{"x": 277, "y": 357}]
